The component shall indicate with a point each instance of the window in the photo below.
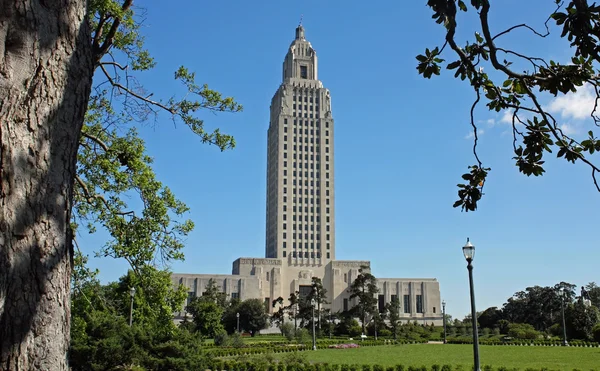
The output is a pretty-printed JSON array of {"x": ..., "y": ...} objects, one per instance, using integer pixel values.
[
  {"x": 327, "y": 255},
  {"x": 406, "y": 304},
  {"x": 284, "y": 254},
  {"x": 345, "y": 277},
  {"x": 345, "y": 305},
  {"x": 434, "y": 310},
  {"x": 303, "y": 73},
  {"x": 419, "y": 303},
  {"x": 394, "y": 298},
  {"x": 235, "y": 295},
  {"x": 381, "y": 303}
]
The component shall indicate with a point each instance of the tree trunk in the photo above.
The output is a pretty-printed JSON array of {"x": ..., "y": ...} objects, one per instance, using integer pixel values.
[{"x": 45, "y": 79}]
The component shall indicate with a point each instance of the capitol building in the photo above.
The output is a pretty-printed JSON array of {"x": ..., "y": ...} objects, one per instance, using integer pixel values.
[{"x": 300, "y": 217}]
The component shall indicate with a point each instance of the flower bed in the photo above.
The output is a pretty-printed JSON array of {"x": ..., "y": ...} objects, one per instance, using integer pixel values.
[{"x": 344, "y": 346}]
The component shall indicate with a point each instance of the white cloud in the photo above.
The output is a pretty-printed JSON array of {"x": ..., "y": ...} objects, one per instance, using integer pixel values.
[
  {"x": 480, "y": 132},
  {"x": 576, "y": 105},
  {"x": 570, "y": 129},
  {"x": 507, "y": 117}
]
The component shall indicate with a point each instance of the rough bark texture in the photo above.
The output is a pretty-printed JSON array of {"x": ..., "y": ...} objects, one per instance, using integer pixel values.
[{"x": 45, "y": 79}]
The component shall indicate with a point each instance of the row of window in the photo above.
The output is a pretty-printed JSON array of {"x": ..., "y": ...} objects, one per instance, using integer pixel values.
[
  {"x": 306, "y": 98},
  {"x": 298, "y": 254},
  {"x": 381, "y": 304},
  {"x": 306, "y": 107},
  {"x": 306, "y": 140},
  {"x": 298, "y": 246},
  {"x": 305, "y": 180},
  {"x": 299, "y": 131},
  {"x": 299, "y": 235},
  {"x": 305, "y": 149}
]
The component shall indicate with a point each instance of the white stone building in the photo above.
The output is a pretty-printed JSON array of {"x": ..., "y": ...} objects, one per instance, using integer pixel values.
[{"x": 300, "y": 221}]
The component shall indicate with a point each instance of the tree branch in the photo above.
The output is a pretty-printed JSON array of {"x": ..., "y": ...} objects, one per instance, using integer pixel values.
[{"x": 101, "y": 50}]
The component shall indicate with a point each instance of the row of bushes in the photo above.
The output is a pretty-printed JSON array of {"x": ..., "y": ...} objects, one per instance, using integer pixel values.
[
  {"x": 219, "y": 365},
  {"x": 573, "y": 343},
  {"x": 231, "y": 352}
]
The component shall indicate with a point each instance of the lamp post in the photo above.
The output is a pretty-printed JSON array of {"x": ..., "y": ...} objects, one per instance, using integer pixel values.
[
  {"x": 237, "y": 315},
  {"x": 469, "y": 253},
  {"x": 132, "y": 294},
  {"x": 444, "y": 314},
  {"x": 330, "y": 323},
  {"x": 562, "y": 310},
  {"x": 312, "y": 304}
]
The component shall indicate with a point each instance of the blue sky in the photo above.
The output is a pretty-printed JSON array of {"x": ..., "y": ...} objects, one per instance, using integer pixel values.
[{"x": 401, "y": 146}]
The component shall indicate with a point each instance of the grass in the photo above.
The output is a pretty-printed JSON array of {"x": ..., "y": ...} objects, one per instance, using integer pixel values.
[{"x": 553, "y": 358}]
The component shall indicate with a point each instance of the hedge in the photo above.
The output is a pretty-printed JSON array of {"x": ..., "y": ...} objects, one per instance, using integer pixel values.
[
  {"x": 252, "y": 349},
  {"x": 227, "y": 365},
  {"x": 547, "y": 343}
]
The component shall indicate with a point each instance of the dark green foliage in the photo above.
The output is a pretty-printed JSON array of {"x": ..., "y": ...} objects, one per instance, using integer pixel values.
[
  {"x": 253, "y": 317},
  {"x": 364, "y": 287},
  {"x": 523, "y": 82}
]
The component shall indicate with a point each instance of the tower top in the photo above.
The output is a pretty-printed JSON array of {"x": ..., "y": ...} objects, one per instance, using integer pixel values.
[{"x": 300, "y": 31}]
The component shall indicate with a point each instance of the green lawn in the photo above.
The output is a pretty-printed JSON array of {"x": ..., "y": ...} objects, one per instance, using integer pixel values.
[{"x": 554, "y": 358}]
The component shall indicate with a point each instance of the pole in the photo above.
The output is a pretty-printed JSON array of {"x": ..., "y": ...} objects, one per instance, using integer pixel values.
[
  {"x": 564, "y": 326},
  {"x": 131, "y": 312},
  {"x": 330, "y": 324},
  {"x": 238, "y": 322},
  {"x": 444, "y": 314},
  {"x": 474, "y": 319},
  {"x": 313, "y": 328},
  {"x": 295, "y": 320}
]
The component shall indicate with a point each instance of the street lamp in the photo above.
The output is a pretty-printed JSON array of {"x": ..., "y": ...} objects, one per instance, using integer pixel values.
[
  {"x": 312, "y": 304},
  {"x": 330, "y": 323},
  {"x": 237, "y": 315},
  {"x": 444, "y": 314},
  {"x": 132, "y": 294},
  {"x": 562, "y": 309},
  {"x": 469, "y": 253}
]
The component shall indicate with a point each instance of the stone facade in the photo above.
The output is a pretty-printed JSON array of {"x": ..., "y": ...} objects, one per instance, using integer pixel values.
[{"x": 300, "y": 217}]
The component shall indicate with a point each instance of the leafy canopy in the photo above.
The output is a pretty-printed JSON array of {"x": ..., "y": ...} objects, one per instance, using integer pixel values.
[{"x": 518, "y": 83}]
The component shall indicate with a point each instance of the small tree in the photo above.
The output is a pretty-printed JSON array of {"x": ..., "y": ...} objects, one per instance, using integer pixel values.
[
  {"x": 364, "y": 288},
  {"x": 253, "y": 317},
  {"x": 292, "y": 308},
  {"x": 319, "y": 295},
  {"x": 207, "y": 316},
  {"x": 393, "y": 315},
  {"x": 278, "y": 317},
  {"x": 212, "y": 293}
]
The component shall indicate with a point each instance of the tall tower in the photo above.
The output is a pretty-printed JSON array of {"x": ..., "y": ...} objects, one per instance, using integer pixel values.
[{"x": 300, "y": 187}]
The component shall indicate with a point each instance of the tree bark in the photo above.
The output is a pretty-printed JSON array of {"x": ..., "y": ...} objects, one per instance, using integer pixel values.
[{"x": 45, "y": 78}]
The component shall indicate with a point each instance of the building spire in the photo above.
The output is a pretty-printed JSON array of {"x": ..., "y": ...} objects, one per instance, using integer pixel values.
[{"x": 300, "y": 29}]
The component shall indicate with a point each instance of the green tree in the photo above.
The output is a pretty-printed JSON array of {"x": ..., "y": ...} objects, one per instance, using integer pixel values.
[
  {"x": 85, "y": 159},
  {"x": 207, "y": 316},
  {"x": 364, "y": 288},
  {"x": 580, "y": 320},
  {"x": 293, "y": 307},
  {"x": 489, "y": 318},
  {"x": 506, "y": 78},
  {"x": 393, "y": 314},
  {"x": 319, "y": 295},
  {"x": 101, "y": 337},
  {"x": 253, "y": 316},
  {"x": 594, "y": 291},
  {"x": 278, "y": 316}
]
